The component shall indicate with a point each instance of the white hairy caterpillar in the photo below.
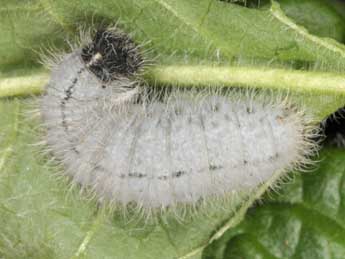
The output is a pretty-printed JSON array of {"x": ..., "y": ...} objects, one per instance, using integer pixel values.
[{"x": 134, "y": 144}]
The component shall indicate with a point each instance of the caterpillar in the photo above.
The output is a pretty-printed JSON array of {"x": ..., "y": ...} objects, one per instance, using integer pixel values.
[{"x": 151, "y": 147}]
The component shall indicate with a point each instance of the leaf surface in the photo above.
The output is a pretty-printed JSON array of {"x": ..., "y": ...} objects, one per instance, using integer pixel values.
[{"x": 233, "y": 45}]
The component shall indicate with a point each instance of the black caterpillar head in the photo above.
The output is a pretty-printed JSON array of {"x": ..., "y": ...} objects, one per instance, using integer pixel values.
[{"x": 111, "y": 55}]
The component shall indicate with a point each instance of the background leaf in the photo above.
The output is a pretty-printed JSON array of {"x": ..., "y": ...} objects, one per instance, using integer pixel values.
[
  {"x": 184, "y": 31},
  {"x": 318, "y": 16},
  {"x": 306, "y": 219}
]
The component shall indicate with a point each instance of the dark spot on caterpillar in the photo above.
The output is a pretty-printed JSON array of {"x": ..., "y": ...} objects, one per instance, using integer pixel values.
[
  {"x": 214, "y": 167},
  {"x": 111, "y": 55},
  {"x": 137, "y": 175},
  {"x": 104, "y": 86},
  {"x": 178, "y": 173},
  {"x": 75, "y": 150},
  {"x": 178, "y": 110},
  {"x": 215, "y": 108},
  {"x": 68, "y": 92},
  {"x": 271, "y": 158},
  {"x": 100, "y": 168},
  {"x": 80, "y": 71},
  {"x": 70, "y": 89},
  {"x": 250, "y": 110},
  {"x": 160, "y": 177}
]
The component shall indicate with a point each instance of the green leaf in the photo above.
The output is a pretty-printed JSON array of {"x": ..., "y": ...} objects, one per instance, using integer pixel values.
[
  {"x": 306, "y": 219},
  {"x": 200, "y": 43},
  {"x": 318, "y": 16},
  {"x": 196, "y": 28},
  {"x": 339, "y": 6},
  {"x": 24, "y": 30}
]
